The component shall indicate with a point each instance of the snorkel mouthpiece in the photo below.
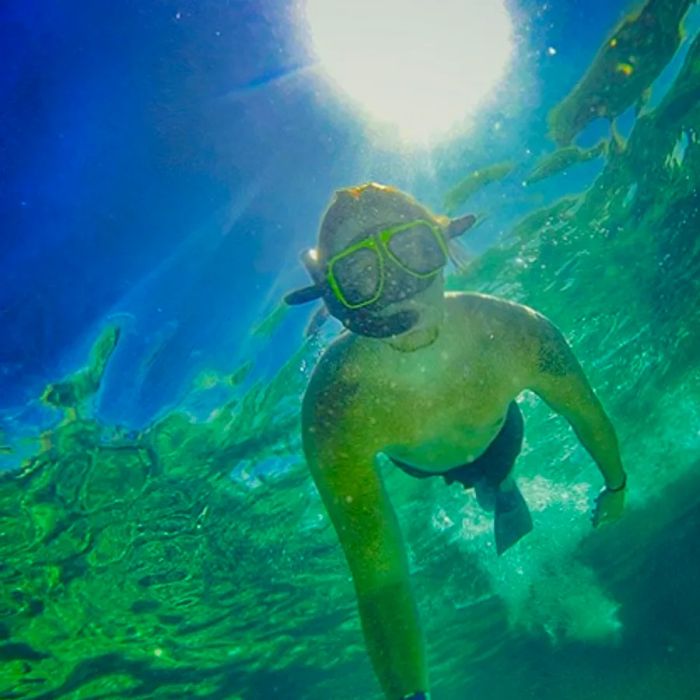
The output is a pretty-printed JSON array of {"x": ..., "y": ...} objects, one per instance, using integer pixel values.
[
  {"x": 456, "y": 227},
  {"x": 309, "y": 259},
  {"x": 372, "y": 326}
]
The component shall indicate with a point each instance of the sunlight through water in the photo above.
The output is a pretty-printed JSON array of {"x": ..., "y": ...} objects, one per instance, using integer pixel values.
[{"x": 408, "y": 66}]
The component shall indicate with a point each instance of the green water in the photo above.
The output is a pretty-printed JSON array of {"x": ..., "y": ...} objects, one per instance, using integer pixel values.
[{"x": 180, "y": 563}]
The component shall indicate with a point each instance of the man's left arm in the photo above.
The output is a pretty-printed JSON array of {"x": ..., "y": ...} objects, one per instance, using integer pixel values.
[{"x": 557, "y": 377}]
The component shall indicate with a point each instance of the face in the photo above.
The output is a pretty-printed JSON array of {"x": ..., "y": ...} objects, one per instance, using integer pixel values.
[
  {"x": 425, "y": 307},
  {"x": 381, "y": 263}
]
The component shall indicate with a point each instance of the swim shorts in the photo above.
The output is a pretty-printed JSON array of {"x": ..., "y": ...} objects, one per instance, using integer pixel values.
[{"x": 494, "y": 464}]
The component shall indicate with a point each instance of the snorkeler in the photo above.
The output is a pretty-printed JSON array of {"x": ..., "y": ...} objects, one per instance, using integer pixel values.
[{"x": 430, "y": 380}]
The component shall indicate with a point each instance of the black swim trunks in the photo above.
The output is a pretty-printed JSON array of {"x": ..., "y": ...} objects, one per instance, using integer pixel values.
[{"x": 494, "y": 464}]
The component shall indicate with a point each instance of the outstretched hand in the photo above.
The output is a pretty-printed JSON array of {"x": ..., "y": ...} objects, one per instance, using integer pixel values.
[{"x": 608, "y": 506}]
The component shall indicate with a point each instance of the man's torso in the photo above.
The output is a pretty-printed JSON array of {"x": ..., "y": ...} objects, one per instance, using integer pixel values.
[{"x": 442, "y": 405}]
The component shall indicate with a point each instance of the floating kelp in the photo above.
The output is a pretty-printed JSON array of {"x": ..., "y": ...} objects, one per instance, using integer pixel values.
[
  {"x": 269, "y": 324},
  {"x": 623, "y": 69},
  {"x": 477, "y": 179},
  {"x": 5, "y": 447},
  {"x": 72, "y": 391},
  {"x": 642, "y": 208},
  {"x": 680, "y": 107},
  {"x": 240, "y": 374},
  {"x": 209, "y": 379},
  {"x": 562, "y": 159}
]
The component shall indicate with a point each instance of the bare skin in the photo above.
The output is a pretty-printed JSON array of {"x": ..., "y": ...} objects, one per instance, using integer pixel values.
[{"x": 434, "y": 398}]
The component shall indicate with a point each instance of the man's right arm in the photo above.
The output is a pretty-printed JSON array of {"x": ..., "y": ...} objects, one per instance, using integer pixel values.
[{"x": 340, "y": 456}]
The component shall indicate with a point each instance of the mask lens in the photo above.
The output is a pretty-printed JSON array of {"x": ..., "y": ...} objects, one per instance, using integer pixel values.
[
  {"x": 357, "y": 276},
  {"x": 417, "y": 249}
]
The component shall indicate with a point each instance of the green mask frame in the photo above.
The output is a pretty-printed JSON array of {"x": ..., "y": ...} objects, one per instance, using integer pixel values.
[{"x": 379, "y": 244}]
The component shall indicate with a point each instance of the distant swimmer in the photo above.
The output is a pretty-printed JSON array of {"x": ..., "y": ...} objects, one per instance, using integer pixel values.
[{"x": 429, "y": 379}]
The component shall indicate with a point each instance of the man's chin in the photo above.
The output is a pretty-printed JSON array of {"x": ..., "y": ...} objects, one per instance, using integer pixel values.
[
  {"x": 417, "y": 338},
  {"x": 392, "y": 325}
]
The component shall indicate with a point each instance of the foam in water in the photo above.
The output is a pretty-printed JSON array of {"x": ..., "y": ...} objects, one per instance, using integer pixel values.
[{"x": 542, "y": 585}]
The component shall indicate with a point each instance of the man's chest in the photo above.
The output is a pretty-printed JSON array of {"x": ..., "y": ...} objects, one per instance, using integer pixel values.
[{"x": 438, "y": 419}]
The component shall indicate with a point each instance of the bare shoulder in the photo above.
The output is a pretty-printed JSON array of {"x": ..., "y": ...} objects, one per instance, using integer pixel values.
[
  {"x": 529, "y": 334},
  {"x": 335, "y": 429},
  {"x": 493, "y": 314},
  {"x": 333, "y": 384},
  {"x": 332, "y": 367},
  {"x": 487, "y": 306}
]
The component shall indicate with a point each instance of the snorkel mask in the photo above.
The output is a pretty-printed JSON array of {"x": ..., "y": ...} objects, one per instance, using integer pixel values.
[{"x": 363, "y": 264}]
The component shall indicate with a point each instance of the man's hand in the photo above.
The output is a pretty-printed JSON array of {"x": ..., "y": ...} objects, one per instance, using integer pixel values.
[{"x": 608, "y": 506}]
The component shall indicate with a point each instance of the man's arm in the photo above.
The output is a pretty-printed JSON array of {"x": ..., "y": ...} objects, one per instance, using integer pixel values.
[
  {"x": 340, "y": 455},
  {"x": 557, "y": 378}
]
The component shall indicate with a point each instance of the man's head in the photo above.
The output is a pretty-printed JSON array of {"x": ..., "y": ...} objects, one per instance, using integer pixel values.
[{"x": 379, "y": 260}]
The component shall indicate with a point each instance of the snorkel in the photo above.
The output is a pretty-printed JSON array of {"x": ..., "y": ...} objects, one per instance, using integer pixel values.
[{"x": 391, "y": 231}]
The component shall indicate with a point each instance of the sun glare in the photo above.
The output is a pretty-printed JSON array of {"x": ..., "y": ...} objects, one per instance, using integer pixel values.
[{"x": 419, "y": 65}]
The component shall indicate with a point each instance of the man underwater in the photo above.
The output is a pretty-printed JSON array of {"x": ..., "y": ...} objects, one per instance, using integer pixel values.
[{"x": 430, "y": 380}]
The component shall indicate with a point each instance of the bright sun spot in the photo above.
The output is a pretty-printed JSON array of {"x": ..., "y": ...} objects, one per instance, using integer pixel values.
[{"x": 420, "y": 65}]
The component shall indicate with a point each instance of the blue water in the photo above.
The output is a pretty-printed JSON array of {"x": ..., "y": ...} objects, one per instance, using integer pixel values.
[{"x": 143, "y": 177}]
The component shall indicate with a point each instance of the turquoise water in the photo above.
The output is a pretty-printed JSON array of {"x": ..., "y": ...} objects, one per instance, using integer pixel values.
[{"x": 190, "y": 556}]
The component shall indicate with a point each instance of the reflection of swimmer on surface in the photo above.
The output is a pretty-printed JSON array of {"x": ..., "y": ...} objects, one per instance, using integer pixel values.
[
  {"x": 430, "y": 380},
  {"x": 623, "y": 69}
]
